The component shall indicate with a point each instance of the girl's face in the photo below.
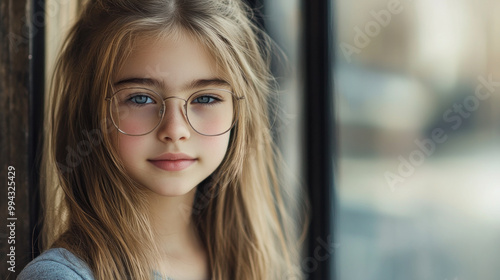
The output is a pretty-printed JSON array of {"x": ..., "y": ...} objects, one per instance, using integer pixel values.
[{"x": 173, "y": 158}]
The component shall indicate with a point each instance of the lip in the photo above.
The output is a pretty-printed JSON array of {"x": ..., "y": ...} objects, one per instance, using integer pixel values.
[{"x": 173, "y": 161}]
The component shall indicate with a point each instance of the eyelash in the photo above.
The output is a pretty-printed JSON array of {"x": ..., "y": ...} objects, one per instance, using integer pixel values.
[
  {"x": 212, "y": 100},
  {"x": 131, "y": 99}
]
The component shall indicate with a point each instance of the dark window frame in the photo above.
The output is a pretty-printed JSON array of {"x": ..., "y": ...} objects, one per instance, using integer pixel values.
[{"x": 318, "y": 41}]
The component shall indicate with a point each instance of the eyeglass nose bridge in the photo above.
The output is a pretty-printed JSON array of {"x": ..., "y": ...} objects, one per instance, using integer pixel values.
[{"x": 164, "y": 107}]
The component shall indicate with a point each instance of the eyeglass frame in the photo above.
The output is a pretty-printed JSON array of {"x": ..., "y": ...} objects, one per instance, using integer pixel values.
[{"x": 163, "y": 109}]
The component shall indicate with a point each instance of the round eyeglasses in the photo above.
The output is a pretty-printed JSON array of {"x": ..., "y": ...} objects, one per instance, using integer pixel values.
[{"x": 138, "y": 111}]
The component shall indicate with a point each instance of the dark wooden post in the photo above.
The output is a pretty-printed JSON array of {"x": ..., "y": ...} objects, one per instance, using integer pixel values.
[
  {"x": 21, "y": 91},
  {"x": 320, "y": 136}
]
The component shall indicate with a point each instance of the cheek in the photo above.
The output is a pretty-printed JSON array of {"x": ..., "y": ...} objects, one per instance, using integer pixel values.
[
  {"x": 128, "y": 148},
  {"x": 215, "y": 148}
]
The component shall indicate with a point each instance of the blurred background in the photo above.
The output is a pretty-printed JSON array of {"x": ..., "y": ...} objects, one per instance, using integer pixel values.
[{"x": 417, "y": 88}]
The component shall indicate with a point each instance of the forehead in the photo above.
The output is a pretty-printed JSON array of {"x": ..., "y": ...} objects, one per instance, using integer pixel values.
[{"x": 173, "y": 61}]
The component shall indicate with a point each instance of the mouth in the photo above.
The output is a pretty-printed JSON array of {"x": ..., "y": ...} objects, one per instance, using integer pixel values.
[{"x": 173, "y": 162}]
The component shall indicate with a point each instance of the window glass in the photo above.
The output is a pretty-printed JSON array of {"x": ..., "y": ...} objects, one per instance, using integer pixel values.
[
  {"x": 282, "y": 22},
  {"x": 417, "y": 88}
]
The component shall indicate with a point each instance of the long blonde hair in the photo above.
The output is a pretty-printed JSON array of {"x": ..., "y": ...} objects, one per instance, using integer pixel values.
[{"x": 239, "y": 210}]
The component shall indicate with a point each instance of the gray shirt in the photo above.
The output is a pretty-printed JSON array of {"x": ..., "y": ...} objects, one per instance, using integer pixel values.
[
  {"x": 56, "y": 264},
  {"x": 61, "y": 264}
]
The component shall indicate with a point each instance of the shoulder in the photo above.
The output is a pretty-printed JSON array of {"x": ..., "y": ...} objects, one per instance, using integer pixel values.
[{"x": 56, "y": 263}]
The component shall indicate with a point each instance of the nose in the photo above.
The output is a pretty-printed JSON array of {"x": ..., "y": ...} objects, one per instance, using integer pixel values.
[{"x": 174, "y": 126}]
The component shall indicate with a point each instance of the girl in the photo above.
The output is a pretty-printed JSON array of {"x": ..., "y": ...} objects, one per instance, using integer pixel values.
[{"x": 160, "y": 144}]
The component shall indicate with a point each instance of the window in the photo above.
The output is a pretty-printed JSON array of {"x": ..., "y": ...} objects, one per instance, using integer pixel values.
[{"x": 416, "y": 93}]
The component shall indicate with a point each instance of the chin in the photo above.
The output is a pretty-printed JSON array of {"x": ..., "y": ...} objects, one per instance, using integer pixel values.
[{"x": 171, "y": 191}]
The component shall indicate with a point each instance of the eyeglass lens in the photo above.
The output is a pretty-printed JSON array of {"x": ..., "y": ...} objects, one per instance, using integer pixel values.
[{"x": 138, "y": 111}]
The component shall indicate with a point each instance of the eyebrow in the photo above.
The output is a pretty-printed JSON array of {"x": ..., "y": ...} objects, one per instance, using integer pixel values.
[
  {"x": 194, "y": 84},
  {"x": 140, "y": 81},
  {"x": 201, "y": 83}
]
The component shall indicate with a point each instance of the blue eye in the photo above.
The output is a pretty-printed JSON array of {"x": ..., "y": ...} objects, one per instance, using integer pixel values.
[
  {"x": 206, "y": 99},
  {"x": 141, "y": 99}
]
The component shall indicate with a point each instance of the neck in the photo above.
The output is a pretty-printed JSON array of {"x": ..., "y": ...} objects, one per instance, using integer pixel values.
[
  {"x": 172, "y": 222},
  {"x": 183, "y": 255}
]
